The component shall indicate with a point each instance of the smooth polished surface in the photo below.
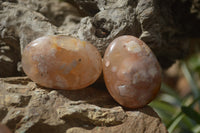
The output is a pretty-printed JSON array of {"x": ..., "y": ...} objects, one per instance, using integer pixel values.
[
  {"x": 4, "y": 129},
  {"x": 131, "y": 72},
  {"x": 62, "y": 62}
]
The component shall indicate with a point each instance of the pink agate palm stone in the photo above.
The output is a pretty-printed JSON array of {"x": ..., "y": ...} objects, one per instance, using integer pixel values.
[
  {"x": 131, "y": 72},
  {"x": 62, "y": 62}
]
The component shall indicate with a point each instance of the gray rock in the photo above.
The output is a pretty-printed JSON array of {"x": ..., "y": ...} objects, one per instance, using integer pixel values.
[
  {"x": 166, "y": 26},
  {"x": 25, "y": 20}
]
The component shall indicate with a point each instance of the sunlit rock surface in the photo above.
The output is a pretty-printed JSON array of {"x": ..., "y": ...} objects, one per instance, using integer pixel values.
[{"x": 28, "y": 108}]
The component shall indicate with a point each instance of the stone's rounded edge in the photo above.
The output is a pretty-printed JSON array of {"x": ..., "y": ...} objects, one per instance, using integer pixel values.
[
  {"x": 4, "y": 129},
  {"x": 133, "y": 83},
  {"x": 56, "y": 43}
]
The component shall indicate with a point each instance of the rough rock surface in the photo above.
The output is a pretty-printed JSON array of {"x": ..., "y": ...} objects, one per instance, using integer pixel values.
[
  {"x": 22, "y": 21},
  {"x": 166, "y": 26},
  {"x": 9, "y": 59},
  {"x": 28, "y": 108}
]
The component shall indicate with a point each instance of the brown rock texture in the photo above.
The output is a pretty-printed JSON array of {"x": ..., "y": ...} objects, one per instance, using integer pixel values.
[{"x": 28, "y": 108}]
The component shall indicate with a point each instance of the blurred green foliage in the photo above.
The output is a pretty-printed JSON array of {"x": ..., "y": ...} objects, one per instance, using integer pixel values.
[{"x": 181, "y": 114}]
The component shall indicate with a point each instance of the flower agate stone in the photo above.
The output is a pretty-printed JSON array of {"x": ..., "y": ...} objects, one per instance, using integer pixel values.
[
  {"x": 4, "y": 129},
  {"x": 62, "y": 62},
  {"x": 131, "y": 72}
]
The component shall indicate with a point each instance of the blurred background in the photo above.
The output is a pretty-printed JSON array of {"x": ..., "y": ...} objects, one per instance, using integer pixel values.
[{"x": 178, "y": 103}]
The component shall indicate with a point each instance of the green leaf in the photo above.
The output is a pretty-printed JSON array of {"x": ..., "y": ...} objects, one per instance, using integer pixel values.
[
  {"x": 175, "y": 122},
  {"x": 165, "y": 88},
  {"x": 163, "y": 106},
  {"x": 196, "y": 129},
  {"x": 187, "y": 123},
  {"x": 188, "y": 76},
  {"x": 190, "y": 112},
  {"x": 194, "y": 62},
  {"x": 178, "y": 117},
  {"x": 169, "y": 99}
]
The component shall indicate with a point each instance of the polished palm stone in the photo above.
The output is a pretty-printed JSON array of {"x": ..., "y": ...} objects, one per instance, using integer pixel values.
[
  {"x": 62, "y": 62},
  {"x": 4, "y": 129},
  {"x": 131, "y": 72}
]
